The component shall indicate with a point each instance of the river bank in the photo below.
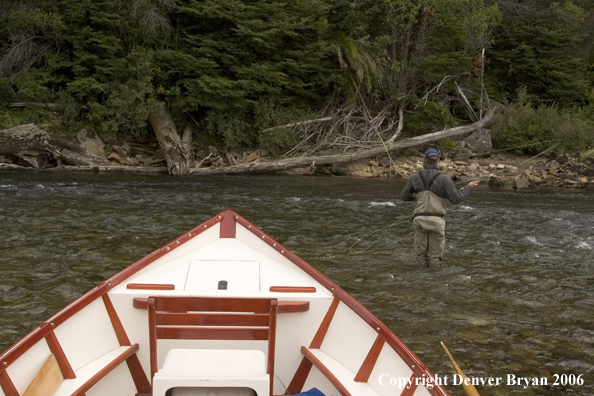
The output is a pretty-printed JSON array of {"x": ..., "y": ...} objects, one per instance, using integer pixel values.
[{"x": 497, "y": 170}]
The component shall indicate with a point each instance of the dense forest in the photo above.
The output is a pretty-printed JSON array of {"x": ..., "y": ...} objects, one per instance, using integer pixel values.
[{"x": 287, "y": 76}]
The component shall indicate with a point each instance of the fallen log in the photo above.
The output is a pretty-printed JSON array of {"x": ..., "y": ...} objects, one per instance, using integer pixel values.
[
  {"x": 30, "y": 144},
  {"x": 175, "y": 148},
  {"x": 298, "y": 162},
  {"x": 39, "y": 150}
]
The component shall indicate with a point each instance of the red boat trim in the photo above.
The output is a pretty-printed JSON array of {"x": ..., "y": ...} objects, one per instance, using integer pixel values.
[
  {"x": 369, "y": 362},
  {"x": 106, "y": 370},
  {"x": 6, "y": 383},
  {"x": 327, "y": 373},
  {"x": 138, "y": 375},
  {"x": 17, "y": 350},
  {"x": 227, "y": 226},
  {"x": 292, "y": 289},
  {"x": 13, "y": 353},
  {"x": 143, "y": 386},
  {"x": 150, "y": 286},
  {"x": 56, "y": 349},
  {"x": 323, "y": 329},
  {"x": 283, "y": 306},
  {"x": 115, "y": 322},
  {"x": 395, "y": 343},
  {"x": 410, "y": 390},
  {"x": 296, "y": 385},
  {"x": 293, "y": 306}
]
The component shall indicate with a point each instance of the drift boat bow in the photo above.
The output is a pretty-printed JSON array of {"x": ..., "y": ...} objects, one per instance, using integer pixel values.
[{"x": 222, "y": 310}]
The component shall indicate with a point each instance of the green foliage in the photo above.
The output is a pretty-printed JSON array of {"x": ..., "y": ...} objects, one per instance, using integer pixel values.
[
  {"x": 236, "y": 67},
  {"x": 232, "y": 56},
  {"x": 429, "y": 116},
  {"x": 278, "y": 140},
  {"x": 15, "y": 117},
  {"x": 540, "y": 48},
  {"x": 532, "y": 129},
  {"x": 447, "y": 145}
]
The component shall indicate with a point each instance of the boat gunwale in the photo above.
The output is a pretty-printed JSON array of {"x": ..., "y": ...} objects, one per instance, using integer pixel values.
[{"x": 46, "y": 327}]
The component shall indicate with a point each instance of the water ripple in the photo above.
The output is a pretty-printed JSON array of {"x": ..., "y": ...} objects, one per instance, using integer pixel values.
[{"x": 514, "y": 295}]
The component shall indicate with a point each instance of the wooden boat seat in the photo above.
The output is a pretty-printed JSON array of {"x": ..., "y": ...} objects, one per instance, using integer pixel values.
[
  {"x": 341, "y": 377},
  {"x": 93, "y": 372},
  {"x": 210, "y": 318}
]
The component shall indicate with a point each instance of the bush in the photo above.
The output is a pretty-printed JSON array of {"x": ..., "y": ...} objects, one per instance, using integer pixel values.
[
  {"x": 447, "y": 145},
  {"x": 526, "y": 128},
  {"x": 428, "y": 117}
]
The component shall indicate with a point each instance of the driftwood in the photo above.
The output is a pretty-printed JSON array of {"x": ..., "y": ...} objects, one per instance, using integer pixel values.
[
  {"x": 298, "y": 162},
  {"x": 37, "y": 149},
  {"x": 30, "y": 144}
]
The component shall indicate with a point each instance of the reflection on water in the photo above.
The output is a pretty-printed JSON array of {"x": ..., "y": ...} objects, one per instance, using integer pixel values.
[{"x": 515, "y": 295}]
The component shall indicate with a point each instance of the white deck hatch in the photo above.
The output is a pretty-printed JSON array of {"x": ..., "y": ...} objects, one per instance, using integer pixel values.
[{"x": 236, "y": 275}]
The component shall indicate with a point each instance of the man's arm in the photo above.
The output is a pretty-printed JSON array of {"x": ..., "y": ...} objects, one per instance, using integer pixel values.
[
  {"x": 457, "y": 196},
  {"x": 407, "y": 193}
]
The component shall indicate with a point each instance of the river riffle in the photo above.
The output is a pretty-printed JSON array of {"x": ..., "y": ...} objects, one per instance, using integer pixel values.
[{"x": 515, "y": 295}]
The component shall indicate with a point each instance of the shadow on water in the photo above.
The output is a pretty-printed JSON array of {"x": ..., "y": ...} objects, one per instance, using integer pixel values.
[{"x": 515, "y": 295}]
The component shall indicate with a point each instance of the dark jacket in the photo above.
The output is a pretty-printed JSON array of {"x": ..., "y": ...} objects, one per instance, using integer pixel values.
[{"x": 443, "y": 186}]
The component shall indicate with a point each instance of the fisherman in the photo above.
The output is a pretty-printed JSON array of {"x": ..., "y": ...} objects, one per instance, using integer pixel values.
[{"x": 430, "y": 189}]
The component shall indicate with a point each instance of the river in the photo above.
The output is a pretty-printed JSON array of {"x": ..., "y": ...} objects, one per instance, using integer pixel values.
[{"x": 515, "y": 296}]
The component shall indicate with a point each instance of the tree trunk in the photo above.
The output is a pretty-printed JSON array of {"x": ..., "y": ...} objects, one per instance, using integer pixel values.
[
  {"x": 273, "y": 166},
  {"x": 30, "y": 144},
  {"x": 176, "y": 153},
  {"x": 39, "y": 150}
]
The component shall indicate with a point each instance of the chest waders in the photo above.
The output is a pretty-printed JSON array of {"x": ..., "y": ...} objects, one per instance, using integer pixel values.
[{"x": 428, "y": 203}]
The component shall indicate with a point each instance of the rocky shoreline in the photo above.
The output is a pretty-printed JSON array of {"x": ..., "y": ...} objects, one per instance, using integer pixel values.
[{"x": 497, "y": 170}]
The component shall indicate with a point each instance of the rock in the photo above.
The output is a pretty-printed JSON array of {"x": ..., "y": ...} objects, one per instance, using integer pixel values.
[
  {"x": 460, "y": 163},
  {"x": 123, "y": 150},
  {"x": 480, "y": 141},
  {"x": 511, "y": 169},
  {"x": 521, "y": 182},
  {"x": 562, "y": 159},
  {"x": 500, "y": 166},
  {"x": 358, "y": 168},
  {"x": 90, "y": 141},
  {"x": 260, "y": 153},
  {"x": 495, "y": 182},
  {"x": 114, "y": 157},
  {"x": 462, "y": 153},
  {"x": 373, "y": 163},
  {"x": 452, "y": 174},
  {"x": 385, "y": 162},
  {"x": 339, "y": 169},
  {"x": 253, "y": 156},
  {"x": 473, "y": 166}
]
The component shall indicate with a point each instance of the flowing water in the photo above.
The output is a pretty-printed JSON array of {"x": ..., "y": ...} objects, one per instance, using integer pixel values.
[{"x": 515, "y": 296}]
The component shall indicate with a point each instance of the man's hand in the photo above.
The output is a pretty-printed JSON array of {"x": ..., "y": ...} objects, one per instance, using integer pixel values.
[{"x": 473, "y": 184}]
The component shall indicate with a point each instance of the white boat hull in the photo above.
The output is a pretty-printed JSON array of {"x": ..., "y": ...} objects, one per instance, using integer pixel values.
[{"x": 324, "y": 337}]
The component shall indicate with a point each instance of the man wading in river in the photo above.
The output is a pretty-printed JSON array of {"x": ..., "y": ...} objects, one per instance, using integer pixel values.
[{"x": 430, "y": 188}]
